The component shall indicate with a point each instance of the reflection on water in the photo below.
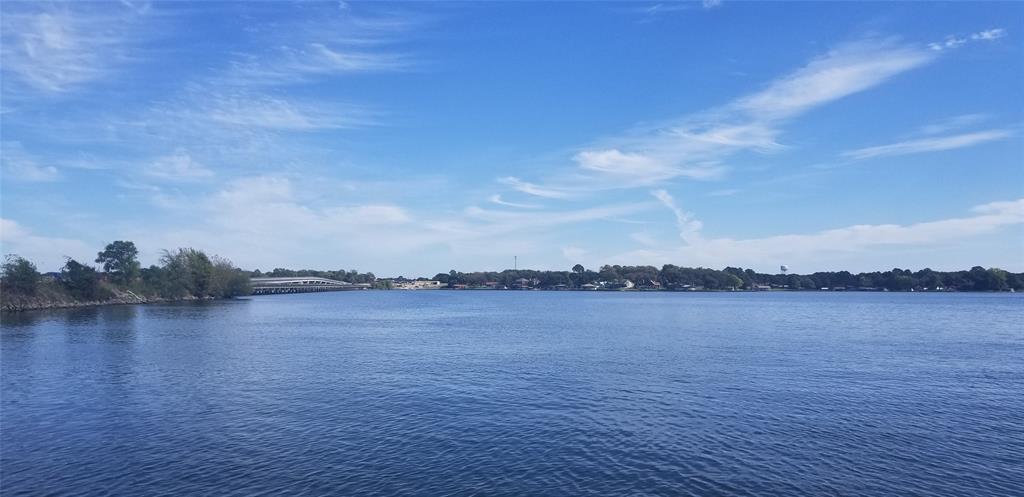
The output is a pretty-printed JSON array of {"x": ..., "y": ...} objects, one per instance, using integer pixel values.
[{"x": 518, "y": 393}]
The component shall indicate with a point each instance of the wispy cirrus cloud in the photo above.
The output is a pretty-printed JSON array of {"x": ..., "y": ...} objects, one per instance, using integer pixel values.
[
  {"x": 990, "y": 34},
  {"x": 248, "y": 105},
  {"x": 276, "y": 113},
  {"x": 19, "y": 165},
  {"x": 535, "y": 190},
  {"x": 287, "y": 221},
  {"x": 54, "y": 48},
  {"x": 689, "y": 227},
  {"x": 180, "y": 167},
  {"x": 244, "y": 100},
  {"x": 311, "y": 61},
  {"x": 651, "y": 12},
  {"x": 848, "y": 69},
  {"x": 954, "y": 41},
  {"x": 953, "y": 123},
  {"x": 505, "y": 221},
  {"x": 334, "y": 44},
  {"x": 929, "y": 144},
  {"x": 725, "y": 192},
  {"x": 824, "y": 247},
  {"x": 697, "y": 146},
  {"x": 496, "y": 199},
  {"x": 46, "y": 251}
]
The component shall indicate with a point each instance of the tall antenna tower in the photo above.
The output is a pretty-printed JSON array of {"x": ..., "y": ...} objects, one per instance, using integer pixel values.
[{"x": 515, "y": 263}]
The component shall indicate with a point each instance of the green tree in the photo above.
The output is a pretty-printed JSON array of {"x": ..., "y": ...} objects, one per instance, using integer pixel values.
[
  {"x": 189, "y": 272},
  {"x": 81, "y": 281},
  {"x": 226, "y": 280},
  {"x": 20, "y": 275},
  {"x": 997, "y": 280},
  {"x": 120, "y": 261}
]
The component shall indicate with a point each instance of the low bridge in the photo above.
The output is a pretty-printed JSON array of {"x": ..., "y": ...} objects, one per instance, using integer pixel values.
[{"x": 301, "y": 284}]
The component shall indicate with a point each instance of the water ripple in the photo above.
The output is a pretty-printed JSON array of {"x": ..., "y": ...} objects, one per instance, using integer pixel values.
[{"x": 505, "y": 393}]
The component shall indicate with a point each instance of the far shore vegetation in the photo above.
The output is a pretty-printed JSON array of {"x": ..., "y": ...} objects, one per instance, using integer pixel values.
[
  {"x": 182, "y": 274},
  {"x": 676, "y": 278},
  {"x": 187, "y": 274}
]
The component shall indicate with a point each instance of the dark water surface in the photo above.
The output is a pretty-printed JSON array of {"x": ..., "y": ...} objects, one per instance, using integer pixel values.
[{"x": 519, "y": 393}]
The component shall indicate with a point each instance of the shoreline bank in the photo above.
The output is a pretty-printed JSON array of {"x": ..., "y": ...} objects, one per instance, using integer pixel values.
[{"x": 43, "y": 304}]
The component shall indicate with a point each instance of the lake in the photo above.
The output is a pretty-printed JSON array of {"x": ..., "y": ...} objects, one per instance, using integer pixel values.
[{"x": 519, "y": 393}]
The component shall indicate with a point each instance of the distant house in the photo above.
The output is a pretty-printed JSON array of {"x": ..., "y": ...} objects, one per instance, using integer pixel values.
[
  {"x": 648, "y": 284},
  {"x": 589, "y": 286},
  {"x": 417, "y": 285},
  {"x": 617, "y": 285},
  {"x": 525, "y": 284}
]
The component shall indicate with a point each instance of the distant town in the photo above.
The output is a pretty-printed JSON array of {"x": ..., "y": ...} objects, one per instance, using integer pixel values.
[
  {"x": 191, "y": 274},
  {"x": 667, "y": 278}
]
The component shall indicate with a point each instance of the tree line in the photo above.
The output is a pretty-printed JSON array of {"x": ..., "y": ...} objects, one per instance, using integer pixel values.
[
  {"x": 671, "y": 277},
  {"x": 182, "y": 273},
  {"x": 351, "y": 276},
  {"x": 191, "y": 273}
]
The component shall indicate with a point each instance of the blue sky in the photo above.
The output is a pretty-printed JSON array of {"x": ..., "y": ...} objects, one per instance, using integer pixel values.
[{"x": 413, "y": 138}]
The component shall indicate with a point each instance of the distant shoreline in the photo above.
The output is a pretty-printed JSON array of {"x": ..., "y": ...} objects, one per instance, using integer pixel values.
[
  {"x": 190, "y": 274},
  {"x": 41, "y": 305},
  {"x": 9, "y": 307}
]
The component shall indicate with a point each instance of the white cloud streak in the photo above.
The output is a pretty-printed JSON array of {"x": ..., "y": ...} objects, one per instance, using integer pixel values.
[
  {"x": 47, "y": 253},
  {"x": 991, "y": 34},
  {"x": 496, "y": 199},
  {"x": 696, "y": 146},
  {"x": 930, "y": 144},
  {"x": 54, "y": 49},
  {"x": 830, "y": 244},
  {"x": 276, "y": 113},
  {"x": 689, "y": 227},
  {"x": 849, "y": 69},
  {"x": 289, "y": 223},
  {"x": 314, "y": 60},
  {"x": 179, "y": 166},
  {"x": 954, "y": 41},
  {"x": 953, "y": 123},
  {"x": 19, "y": 165},
  {"x": 535, "y": 190}
]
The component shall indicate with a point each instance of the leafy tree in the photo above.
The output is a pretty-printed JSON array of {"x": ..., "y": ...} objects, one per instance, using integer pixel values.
[
  {"x": 190, "y": 272},
  {"x": 120, "y": 261},
  {"x": 609, "y": 273},
  {"x": 81, "y": 281},
  {"x": 20, "y": 275},
  {"x": 228, "y": 281},
  {"x": 997, "y": 280}
]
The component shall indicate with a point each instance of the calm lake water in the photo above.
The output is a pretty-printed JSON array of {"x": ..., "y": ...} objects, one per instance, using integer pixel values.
[{"x": 519, "y": 393}]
